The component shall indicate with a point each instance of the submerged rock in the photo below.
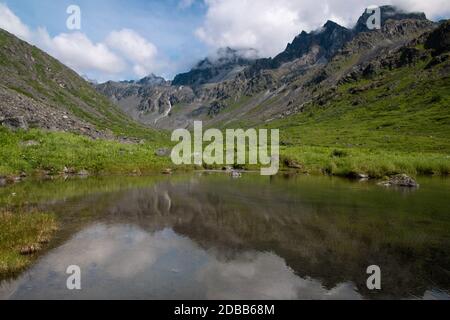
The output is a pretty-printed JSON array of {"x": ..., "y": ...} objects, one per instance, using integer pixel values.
[
  {"x": 83, "y": 173},
  {"x": 236, "y": 174},
  {"x": 401, "y": 180}
]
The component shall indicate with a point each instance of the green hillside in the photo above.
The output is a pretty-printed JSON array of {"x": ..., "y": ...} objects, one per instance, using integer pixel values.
[
  {"x": 29, "y": 73},
  {"x": 398, "y": 120}
]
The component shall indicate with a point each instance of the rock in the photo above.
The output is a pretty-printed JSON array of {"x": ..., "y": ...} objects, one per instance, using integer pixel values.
[
  {"x": 3, "y": 181},
  {"x": 358, "y": 176},
  {"x": 401, "y": 180},
  {"x": 69, "y": 171},
  {"x": 163, "y": 152},
  {"x": 15, "y": 123},
  {"x": 439, "y": 39},
  {"x": 30, "y": 143},
  {"x": 236, "y": 174},
  {"x": 83, "y": 173},
  {"x": 437, "y": 60},
  {"x": 292, "y": 164},
  {"x": 28, "y": 250},
  {"x": 167, "y": 171}
]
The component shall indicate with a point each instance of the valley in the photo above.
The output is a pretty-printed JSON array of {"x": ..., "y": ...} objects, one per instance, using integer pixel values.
[{"x": 363, "y": 118}]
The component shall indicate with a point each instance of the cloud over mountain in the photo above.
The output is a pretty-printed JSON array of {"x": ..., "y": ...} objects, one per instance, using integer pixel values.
[
  {"x": 268, "y": 25},
  {"x": 140, "y": 52}
]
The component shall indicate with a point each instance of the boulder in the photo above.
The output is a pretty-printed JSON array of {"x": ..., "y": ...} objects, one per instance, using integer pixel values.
[
  {"x": 83, "y": 173},
  {"x": 292, "y": 164},
  {"x": 29, "y": 143},
  {"x": 401, "y": 180},
  {"x": 14, "y": 123},
  {"x": 236, "y": 174},
  {"x": 163, "y": 152}
]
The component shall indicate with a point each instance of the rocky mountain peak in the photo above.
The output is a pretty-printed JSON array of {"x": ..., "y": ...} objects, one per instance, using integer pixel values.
[
  {"x": 328, "y": 39},
  {"x": 224, "y": 63},
  {"x": 152, "y": 79},
  {"x": 331, "y": 25},
  {"x": 387, "y": 12}
]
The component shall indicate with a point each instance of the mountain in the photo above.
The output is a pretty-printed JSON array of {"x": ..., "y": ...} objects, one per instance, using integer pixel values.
[
  {"x": 150, "y": 80},
  {"x": 38, "y": 91},
  {"x": 387, "y": 13},
  {"x": 327, "y": 41},
  {"x": 223, "y": 66},
  {"x": 250, "y": 92}
]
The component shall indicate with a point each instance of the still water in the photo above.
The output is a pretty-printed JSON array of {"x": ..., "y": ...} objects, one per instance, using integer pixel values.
[{"x": 209, "y": 236}]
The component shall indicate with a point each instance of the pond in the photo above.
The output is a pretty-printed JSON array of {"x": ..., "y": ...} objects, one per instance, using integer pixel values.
[{"x": 209, "y": 236}]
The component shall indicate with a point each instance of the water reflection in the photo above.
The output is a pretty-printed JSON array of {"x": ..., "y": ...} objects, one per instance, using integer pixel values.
[
  {"x": 125, "y": 261},
  {"x": 212, "y": 237}
]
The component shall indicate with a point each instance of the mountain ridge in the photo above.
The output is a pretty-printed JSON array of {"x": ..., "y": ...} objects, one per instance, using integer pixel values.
[{"x": 264, "y": 80}]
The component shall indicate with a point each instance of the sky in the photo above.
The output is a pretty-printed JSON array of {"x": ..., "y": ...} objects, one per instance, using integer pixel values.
[{"x": 129, "y": 39}]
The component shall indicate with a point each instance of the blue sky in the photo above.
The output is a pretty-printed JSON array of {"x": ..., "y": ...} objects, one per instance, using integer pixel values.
[
  {"x": 128, "y": 39},
  {"x": 166, "y": 23}
]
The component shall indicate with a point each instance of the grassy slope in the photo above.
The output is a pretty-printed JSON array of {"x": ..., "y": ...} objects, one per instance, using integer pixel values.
[
  {"x": 55, "y": 151},
  {"x": 400, "y": 125},
  {"x": 34, "y": 74}
]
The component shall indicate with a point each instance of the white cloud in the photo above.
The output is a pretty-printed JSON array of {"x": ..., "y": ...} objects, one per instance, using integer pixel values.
[
  {"x": 11, "y": 23},
  {"x": 77, "y": 51},
  {"x": 434, "y": 9},
  {"x": 268, "y": 25},
  {"x": 140, "y": 52},
  {"x": 121, "y": 52}
]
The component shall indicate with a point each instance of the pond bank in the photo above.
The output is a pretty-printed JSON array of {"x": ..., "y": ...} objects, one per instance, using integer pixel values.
[{"x": 22, "y": 237}]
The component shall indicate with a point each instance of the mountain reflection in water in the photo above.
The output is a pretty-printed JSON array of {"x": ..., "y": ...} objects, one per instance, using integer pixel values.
[{"x": 212, "y": 237}]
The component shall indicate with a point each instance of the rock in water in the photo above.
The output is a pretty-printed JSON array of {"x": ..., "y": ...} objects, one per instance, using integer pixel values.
[
  {"x": 401, "y": 180},
  {"x": 83, "y": 173},
  {"x": 236, "y": 174}
]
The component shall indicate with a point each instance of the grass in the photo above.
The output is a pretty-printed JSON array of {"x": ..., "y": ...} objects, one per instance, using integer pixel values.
[
  {"x": 375, "y": 163},
  {"x": 21, "y": 236},
  {"x": 397, "y": 121},
  {"x": 51, "y": 152},
  {"x": 36, "y": 75}
]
